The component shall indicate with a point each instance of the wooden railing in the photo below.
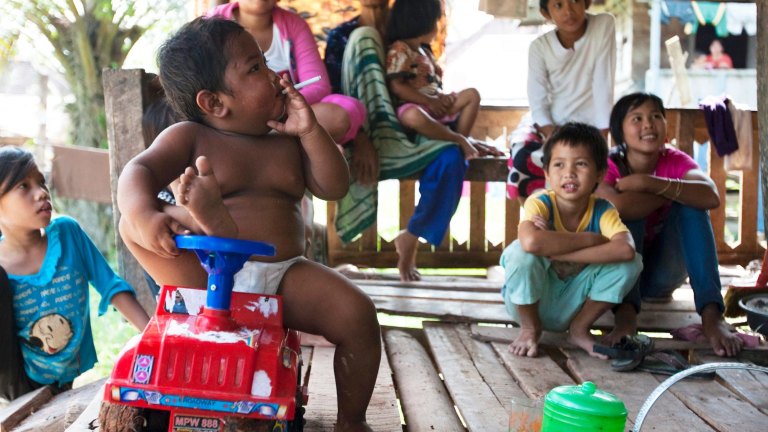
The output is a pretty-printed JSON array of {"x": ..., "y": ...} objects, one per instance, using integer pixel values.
[{"x": 684, "y": 126}]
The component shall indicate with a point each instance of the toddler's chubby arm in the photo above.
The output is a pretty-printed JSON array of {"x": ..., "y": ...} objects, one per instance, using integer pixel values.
[
  {"x": 538, "y": 239},
  {"x": 325, "y": 170},
  {"x": 619, "y": 248},
  {"x": 143, "y": 220}
]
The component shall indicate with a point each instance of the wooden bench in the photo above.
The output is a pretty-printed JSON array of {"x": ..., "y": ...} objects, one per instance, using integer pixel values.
[{"x": 683, "y": 127}]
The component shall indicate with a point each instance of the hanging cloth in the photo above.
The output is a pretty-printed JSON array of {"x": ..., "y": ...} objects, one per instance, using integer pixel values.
[
  {"x": 719, "y": 124},
  {"x": 741, "y": 16},
  {"x": 710, "y": 13},
  {"x": 682, "y": 10}
]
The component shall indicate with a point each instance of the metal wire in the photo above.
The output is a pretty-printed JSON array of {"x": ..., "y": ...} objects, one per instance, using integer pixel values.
[{"x": 681, "y": 375}]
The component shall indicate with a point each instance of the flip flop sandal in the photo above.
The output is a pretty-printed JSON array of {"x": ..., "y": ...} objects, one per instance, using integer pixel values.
[
  {"x": 628, "y": 353},
  {"x": 669, "y": 362}
]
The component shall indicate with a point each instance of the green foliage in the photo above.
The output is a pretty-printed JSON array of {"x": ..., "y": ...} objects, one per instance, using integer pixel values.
[
  {"x": 110, "y": 333},
  {"x": 85, "y": 36}
]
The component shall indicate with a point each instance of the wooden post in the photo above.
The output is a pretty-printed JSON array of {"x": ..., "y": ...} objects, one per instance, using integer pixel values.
[
  {"x": 762, "y": 94},
  {"x": 124, "y": 95}
]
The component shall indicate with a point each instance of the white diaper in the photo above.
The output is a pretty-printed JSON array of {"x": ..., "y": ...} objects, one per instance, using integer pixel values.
[{"x": 262, "y": 277}]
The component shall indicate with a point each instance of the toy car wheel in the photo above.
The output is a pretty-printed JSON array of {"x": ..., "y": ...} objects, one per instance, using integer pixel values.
[
  {"x": 240, "y": 424},
  {"x": 121, "y": 418},
  {"x": 297, "y": 424}
]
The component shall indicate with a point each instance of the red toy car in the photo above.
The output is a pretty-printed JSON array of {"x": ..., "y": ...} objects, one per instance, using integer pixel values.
[{"x": 209, "y": 359}]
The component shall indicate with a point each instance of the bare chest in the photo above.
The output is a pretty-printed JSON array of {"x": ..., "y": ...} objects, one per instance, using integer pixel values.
[{"x": 269, "y": 167}]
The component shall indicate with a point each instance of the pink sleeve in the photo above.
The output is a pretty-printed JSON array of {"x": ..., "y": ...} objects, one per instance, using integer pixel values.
[
  {"x": 612, "y": 174},
  {"x": 308, "y": 63},
  {"x": 224, "y": 11}
]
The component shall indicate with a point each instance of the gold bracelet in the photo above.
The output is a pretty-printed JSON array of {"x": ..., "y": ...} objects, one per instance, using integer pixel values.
[
  {"x": 666, "y": 188},
  {"x": 678, "y": 189}
]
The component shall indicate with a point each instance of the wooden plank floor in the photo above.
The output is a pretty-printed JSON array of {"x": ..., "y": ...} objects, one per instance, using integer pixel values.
[{"x": 455, "y": 374}]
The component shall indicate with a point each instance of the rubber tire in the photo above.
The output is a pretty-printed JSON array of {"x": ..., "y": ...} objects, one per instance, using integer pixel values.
[{"x": 121, "y": 418}]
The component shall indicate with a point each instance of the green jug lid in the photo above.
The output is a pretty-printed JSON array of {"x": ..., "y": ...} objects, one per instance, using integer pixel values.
[{"x": 587, "y": 398}]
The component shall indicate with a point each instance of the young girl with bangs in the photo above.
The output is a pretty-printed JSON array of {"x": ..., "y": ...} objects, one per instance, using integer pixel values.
[{"x": 663, "y": 197}]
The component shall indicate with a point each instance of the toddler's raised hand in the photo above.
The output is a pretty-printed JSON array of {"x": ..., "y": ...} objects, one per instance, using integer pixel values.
[{"x": 299, "y": 118}]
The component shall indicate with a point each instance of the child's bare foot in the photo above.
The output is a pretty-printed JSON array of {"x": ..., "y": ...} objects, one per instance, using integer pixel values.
[
  {"x": 406, "y": 245},
  {"x": 527, "y": 342},
  {"x": 625, "y": 324},
  {"x": 200, "y": 194},
  {"x": 718, "y": 332},
  {"x": 583, "y": 339},
  {"x": 485, "y": 149},
  {"x": 469, "y": 151}
]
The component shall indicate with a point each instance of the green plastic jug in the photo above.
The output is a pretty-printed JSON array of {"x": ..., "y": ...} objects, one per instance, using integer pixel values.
[{"x": 582, "y": 408}]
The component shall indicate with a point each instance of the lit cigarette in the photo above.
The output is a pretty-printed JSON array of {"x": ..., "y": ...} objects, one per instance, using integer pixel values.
[{"x": 303, "y": 84}]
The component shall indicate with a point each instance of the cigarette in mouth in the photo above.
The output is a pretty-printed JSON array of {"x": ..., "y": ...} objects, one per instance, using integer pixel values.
[{"x": 303, "y": 84}]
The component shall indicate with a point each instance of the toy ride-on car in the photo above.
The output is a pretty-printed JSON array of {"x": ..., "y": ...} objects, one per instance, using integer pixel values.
[{"x": 210, "y": 360}]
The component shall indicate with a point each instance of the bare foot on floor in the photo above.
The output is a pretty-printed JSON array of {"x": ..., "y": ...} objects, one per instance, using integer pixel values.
[
  {"x": 200, "y": 194},
  {"x": 625, "y": 324},
  {"x": 527, "y": 343},
  {"x": 406, "y": 245},
  {"x": 718, "y": 332},
  {"x": 585, "y": 341}
]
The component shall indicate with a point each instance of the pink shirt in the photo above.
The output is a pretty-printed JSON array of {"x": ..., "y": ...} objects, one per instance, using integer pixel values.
[
  {"x": 672, "y": 163},
  {"x": 305, "y": 59}
]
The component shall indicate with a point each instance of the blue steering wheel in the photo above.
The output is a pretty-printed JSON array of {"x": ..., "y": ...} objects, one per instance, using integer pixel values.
[{"x": 222, "y": 258}]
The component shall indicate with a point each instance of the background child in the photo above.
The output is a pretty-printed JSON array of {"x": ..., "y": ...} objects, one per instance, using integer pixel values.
[
  {"x": 247, "y": 182},
  {"x": 573, "y": 259},
  {"x": 663, "y": 197},
  {"x": 45, "y": 325},
  {"x": 357, "y": 50},
  {"x": 570, "y": 78},
  {"x": 415, "y": 79}
]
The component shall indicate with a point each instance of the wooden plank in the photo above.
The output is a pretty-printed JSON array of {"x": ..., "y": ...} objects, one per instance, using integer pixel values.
[
  {"x": 475, "y": 400},
  {"x": 88, "y": 420},
  {"x": 16, "y": 411},
  {"x": 445, "y": 283},
  {"x": 466, "y": 311},
  {"x": 512, "y": 220},
  {"x": 124, "y": 106},
  {"x": 633, "y": 388},
  {"x": 69, "y": 165},
  {"x": 477, "y": 216},
  {"x": 320, "y": 416},
  {"x": 719, "y": 407},
  {"x": 751, "y": 386},
  {"x": 407, "y": 201},
  {"x": 482, "y": 295},
  {"x": 491, "y": 369},
  {"x": 505, "y": 335},
  {"x": 486, "y": 169},
  {"x": 62, "y": 410},
  {"x": 459, "y": 311},
  {"x": 418, "y": 293},
  {"x": 535, "y": 376},
  {"x": 424, "y": 399}
]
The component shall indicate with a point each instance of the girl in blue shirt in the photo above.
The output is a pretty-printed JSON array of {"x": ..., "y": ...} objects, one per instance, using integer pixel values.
[{"x": 46, "y": 267}]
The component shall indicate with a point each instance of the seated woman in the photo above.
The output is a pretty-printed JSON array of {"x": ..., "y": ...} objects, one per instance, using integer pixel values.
[
  {"x": 440, "y": 163},
  {"x": 663, "y": 197}
]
